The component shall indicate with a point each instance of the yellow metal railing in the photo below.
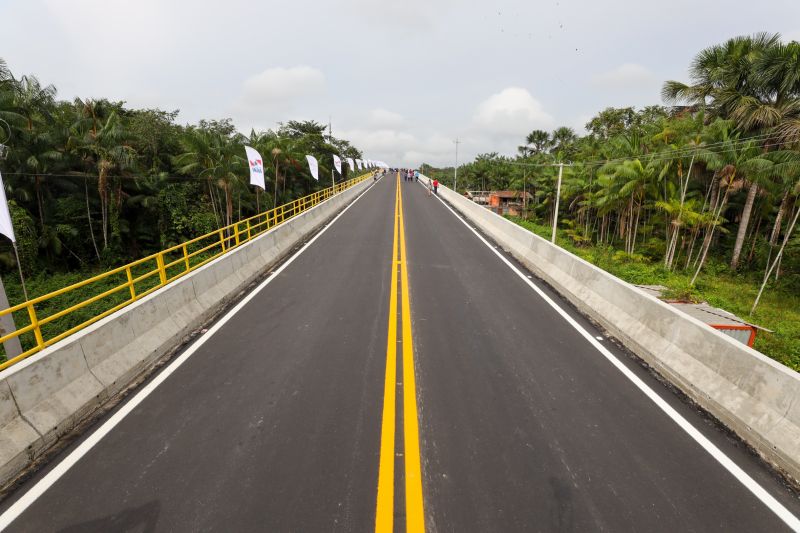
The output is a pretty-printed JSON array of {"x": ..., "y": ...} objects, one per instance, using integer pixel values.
[{"x": 145, "y": 275}]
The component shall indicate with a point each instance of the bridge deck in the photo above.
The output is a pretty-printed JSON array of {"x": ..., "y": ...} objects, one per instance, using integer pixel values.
[{"x": 274, "y": 423}]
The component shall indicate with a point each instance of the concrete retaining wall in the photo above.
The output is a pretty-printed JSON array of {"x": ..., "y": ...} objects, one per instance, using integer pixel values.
[
  {"x": 48, "y": 394},
  {"x": 753, "y": 395}
]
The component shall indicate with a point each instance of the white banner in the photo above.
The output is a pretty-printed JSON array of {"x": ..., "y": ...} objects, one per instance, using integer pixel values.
[
  {"x": 313, "y": 167},
  {"x": 337, "y": 163},
  {"x": 256, "y": 165},
  {"x": 6, "y": 227},
  {"x": 351, "y": 163},
  {"x": 360, "y": 164}
]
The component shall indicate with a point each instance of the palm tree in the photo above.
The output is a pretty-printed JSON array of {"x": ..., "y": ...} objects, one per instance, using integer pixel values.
[
  {"x": 754, "y": 81},
  {"x": 110, "y": 153},
  {"x": 538, "y": 141},
  {"x": 32, "y": 100},
  {"x": 563, "y": 139},
  {"x": 732, "y": 161},
  {"x": 631, "y": 178},
  {"x": 213, "y": 154},
  {"x": 773, "y": 104},
  {"x": 722, "y": 75}
]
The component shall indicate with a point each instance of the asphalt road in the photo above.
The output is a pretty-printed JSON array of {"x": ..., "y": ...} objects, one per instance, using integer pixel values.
[{"x": 276, "y": 422}]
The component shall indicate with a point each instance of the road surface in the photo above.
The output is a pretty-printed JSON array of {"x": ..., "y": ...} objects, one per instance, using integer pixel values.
[{"x": 496, "y": 414}]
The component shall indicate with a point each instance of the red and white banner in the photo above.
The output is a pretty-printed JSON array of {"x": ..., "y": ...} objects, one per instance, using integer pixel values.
[
  {"x": 313, "y": 166},
  {"x": 337, "y": 163},
  {"x": 351, "y": 163},
  {"x": 256, "y": 165}
]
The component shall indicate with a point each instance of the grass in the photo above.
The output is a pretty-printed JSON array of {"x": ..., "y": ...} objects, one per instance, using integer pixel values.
[{"x": 779, "y": 309}]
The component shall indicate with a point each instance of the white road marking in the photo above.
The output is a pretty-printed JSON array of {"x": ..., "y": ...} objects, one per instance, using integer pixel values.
[
  {"x": 743, "y": 477},
  {"x": 599, "y": 338},
  {"x": 63, "y": 467}
]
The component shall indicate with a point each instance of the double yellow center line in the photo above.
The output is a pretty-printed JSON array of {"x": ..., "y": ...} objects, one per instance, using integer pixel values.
[{"x": 384, "y": 516}]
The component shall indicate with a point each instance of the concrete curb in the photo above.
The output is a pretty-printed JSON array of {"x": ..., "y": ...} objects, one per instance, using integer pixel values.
[
  {"x": 756, "y": 397},
  {"x": 47, "y": 395}
]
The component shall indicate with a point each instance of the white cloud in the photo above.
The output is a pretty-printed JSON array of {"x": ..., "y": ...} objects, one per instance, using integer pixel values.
[
  {"x": 512, "y": 112},
  {"x": 281, "y": 85},
  {"x": 626, "y": 76},
  {"x": 383, "y": 118},
  {"x": 401, "y": 148}
]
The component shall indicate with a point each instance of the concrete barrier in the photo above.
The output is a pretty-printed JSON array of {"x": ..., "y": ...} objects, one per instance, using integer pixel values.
[
  {"x": 48, "y": 394},
  {"x": 753, "y": 395}
]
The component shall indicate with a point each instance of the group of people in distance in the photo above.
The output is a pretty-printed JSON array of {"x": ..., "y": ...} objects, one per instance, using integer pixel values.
[
  {"x": 413, "y": 175},
  {"x": 409, "y": 174}
]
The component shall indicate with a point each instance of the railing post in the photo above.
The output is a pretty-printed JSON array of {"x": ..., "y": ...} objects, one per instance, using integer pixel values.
[
  {"x": 248, "y": 229},
  {"x": 130, "y": 282},
  {"x": 186, "y": 257},
  {"x": 37, "y": 332},
  {"x": 162, "y": 272},
  {"x": 222, "y": 240},
  {"x": 236, "y": 233}
]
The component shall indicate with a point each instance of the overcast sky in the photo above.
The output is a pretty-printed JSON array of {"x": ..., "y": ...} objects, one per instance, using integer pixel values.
[{"x": 400, "y": 78}]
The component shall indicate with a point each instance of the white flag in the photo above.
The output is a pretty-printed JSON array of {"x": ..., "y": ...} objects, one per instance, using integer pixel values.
[
  {"x": 370, "y": 163},
  {"x": 337, "y": 163},
  {"x": 6, "y": 227},
  {"x": 256, "y": 167},
  {"x": 351, "y": 163},
  {"x": 360, "y": 164},
  {"x": 313, "y": 167}
]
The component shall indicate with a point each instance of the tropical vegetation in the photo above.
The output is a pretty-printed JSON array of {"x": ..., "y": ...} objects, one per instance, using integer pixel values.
[
  {"x": 703, "y": 188},
  {"x": 93, "y": 183}
]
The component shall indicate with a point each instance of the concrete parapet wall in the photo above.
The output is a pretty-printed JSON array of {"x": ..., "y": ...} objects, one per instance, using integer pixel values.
[
  {"x": 45, "y": 396},
  {"x": 753, "y": 395}
]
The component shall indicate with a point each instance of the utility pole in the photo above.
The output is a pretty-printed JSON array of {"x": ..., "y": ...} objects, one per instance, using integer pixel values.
[
  {"x": 558, "y": 195},
  {"x": 330, "y": 141},
  {"x": 525, "y": 193},
  {"x": 455, "y": 178}
]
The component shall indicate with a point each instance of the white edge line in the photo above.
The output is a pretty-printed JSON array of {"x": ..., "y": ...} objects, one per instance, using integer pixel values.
[
  {"x": 13, "y": 512},
  {"x": 743, "y": 477}
]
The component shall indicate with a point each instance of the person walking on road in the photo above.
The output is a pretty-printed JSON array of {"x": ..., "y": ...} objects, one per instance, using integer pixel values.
[{"x": 436, "y": 187}]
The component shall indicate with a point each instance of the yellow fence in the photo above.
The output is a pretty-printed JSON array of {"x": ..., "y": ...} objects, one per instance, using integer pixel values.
[{"x": 124, "y": 285}]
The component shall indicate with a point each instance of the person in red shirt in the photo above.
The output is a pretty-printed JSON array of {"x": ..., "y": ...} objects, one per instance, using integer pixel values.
[{"x": 436, "y": 186}]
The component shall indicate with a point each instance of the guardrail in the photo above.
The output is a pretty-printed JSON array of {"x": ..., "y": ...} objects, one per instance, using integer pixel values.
[{"x": 130, "y": 282}]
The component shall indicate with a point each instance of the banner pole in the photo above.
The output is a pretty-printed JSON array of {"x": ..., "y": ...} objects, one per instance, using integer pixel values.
[{"x": 19, "y": 267}]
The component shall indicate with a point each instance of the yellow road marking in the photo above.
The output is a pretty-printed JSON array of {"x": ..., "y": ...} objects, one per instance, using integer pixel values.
[
  {"x": 384, "y": 514},
  {"x": 415, "y": 516}
]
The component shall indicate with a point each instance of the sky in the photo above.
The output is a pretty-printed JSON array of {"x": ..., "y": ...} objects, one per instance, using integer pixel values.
[{"x": 402, "y": 80}]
